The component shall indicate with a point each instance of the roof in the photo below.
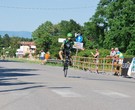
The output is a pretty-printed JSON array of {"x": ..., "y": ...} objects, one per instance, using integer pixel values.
[{"x": 27, "y": 43}]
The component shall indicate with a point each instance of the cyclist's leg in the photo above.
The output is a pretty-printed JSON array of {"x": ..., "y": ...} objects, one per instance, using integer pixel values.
[
  {"x": 70, "y": 59},
  {"x": 66, "y": 57},
  {"x": 65, "y": 62},
  {"x": 61, "y": 54}
]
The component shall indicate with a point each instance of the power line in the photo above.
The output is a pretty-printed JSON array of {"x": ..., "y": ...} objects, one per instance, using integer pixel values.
[{"x": 30, "y": 8}]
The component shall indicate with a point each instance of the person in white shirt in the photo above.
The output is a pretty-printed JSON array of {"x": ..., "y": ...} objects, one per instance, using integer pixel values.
[
  {"x": 42, "y": 56},
  {"x": 112, "y": 53}
]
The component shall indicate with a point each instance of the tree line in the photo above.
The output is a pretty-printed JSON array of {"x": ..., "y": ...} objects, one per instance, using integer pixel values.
[
  {"x": 9, "y": 44},
  {"x": 112, "y": 25}
]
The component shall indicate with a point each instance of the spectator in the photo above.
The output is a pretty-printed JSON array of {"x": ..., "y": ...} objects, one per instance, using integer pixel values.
[
  {"x": 119, "y": 60},
  {"x": 96, "y": 56},
  {"x": 30, "y": 55},
  {"x": 112, "y": 55},
  {"x": 47, "y": 56},
  {"x": 42, "y": 57}
]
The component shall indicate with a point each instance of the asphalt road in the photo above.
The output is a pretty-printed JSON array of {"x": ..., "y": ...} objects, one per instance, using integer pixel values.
[{"x": 26, "y": 86}]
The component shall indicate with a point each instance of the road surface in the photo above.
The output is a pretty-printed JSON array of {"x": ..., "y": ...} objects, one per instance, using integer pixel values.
[{"x": 27, "y": 86}]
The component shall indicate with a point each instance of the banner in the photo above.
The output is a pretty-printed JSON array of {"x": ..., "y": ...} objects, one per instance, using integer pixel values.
[
  {"x": 125, "y": 66},
  {"x": 78, "y": 45},
  {"x": 61, "y": 40},
  {"x": 131, "y": 70}
]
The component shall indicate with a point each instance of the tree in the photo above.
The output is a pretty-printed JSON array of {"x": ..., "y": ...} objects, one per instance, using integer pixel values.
[
  {"x": 121, "y": 24},
  {"x": 46, "y": 35},
  {"x": 68, "y": 26},
  {"x": 14, "y": 45},
  {"x": 90, "y": 35},
  {"x": 42, "y": 36},
  {"x": 1, "y": 44},
  {"x": 6, "y": 40},
  {"x": 113, "y": 24},
  {"x": 131, "y": 47}
]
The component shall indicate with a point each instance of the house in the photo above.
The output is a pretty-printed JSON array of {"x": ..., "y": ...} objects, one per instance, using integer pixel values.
[{"x": 26, "y": 47}]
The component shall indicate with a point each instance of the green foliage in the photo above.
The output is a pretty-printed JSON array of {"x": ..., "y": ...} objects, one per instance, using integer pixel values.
[
  {"x": 9, "y": 44},
  {"x": 68, "y": 26},
  {"x": 87, "y": 52},
  {"x": 104, "y": 52},
  {"x": 26, "y": 55},
  {"x": 131, "y": 48},
  {"x": 113, "y": 25},
  {"x": 46, "y": 35},
  {"x": 6, "y": 40},
  {"x": 42, "y": 36}
]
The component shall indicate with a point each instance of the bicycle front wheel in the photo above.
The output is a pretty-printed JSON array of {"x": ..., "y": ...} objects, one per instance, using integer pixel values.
[
  {"x": 65, "y": 72},
  {"x": 65, "y": 69}
]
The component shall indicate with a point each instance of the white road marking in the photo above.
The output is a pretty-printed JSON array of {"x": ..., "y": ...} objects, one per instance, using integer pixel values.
[
  {"x": 112, "y": 93},
  {"x": 66, "y": 93}
]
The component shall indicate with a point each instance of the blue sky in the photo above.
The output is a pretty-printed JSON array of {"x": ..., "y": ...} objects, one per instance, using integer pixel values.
[{"x": 27, "y": 15}]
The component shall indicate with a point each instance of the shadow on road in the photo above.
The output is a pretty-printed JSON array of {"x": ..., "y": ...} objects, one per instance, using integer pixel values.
[
  {"x": 23, "y": 88},
  {"x": 8, "y": 82},
  {"x": 113, "y": 80},
  {"x": 9, "y": 77},
  {"x": 74, "y": 77},
  {"x": 61, "y": 87},
  {"x": 103, "y": 79},
  {"x": 8, "y": 61},
  {"x": 4, "y": 72}
]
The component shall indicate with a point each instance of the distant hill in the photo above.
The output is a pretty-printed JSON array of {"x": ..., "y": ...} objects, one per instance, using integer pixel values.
[{"x": 24, "y": 34}]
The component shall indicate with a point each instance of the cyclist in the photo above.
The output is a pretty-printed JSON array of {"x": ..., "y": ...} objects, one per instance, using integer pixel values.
[{"x": 66, "y": 46}]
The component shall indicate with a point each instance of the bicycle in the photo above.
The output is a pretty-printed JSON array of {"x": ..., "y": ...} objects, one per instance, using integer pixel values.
[{"x": 66, "y": 62}]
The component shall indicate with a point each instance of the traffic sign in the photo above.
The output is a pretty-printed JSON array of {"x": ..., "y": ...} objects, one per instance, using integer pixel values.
[{"x": 79, "y": 38}]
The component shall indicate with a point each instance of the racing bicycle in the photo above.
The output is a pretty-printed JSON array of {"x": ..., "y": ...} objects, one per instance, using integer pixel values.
[{"x": 67, "y": 62}]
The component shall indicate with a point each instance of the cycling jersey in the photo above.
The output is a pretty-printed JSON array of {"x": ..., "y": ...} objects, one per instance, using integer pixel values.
[{"x": 68, "y": 44}]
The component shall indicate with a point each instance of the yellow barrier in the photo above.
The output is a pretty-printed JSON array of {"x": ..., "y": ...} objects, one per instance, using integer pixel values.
[{"x": 88, "y": 63}]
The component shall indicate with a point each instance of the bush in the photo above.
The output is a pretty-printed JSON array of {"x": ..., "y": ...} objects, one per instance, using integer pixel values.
[
  {"x": 87, "y": 52},
  {"x": 128, "y": 56},
  {"x": 104, "y": 52},
  {"x": 84, "y": 53},
  {"x": 26, "y": 55}
]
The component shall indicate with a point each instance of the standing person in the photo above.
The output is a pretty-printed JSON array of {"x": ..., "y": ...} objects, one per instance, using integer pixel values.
[
  {"x": 47, "y": 56},
  {"x": 112, "y": 53},
  {"x": 66, "y": 46},
  {"x": 42, "y": 57},
  {"x": 96, "y": 57},
  {"x": 119, "y": 60},
  {"x": 119, "y": 54}
]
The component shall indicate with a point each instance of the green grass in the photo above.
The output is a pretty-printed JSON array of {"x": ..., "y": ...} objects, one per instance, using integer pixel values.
[{"x": 37, "y": 61}]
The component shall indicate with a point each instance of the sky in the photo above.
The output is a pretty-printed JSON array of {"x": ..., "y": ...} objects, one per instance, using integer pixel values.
[{"x": 27, "y": 15}]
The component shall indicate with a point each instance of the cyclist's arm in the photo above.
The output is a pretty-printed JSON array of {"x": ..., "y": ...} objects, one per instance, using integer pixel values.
[{"x": 62, "y": 45}]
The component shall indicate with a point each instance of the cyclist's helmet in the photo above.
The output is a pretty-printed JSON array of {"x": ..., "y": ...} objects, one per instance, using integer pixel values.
[{"x": 69, "y": 35}]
